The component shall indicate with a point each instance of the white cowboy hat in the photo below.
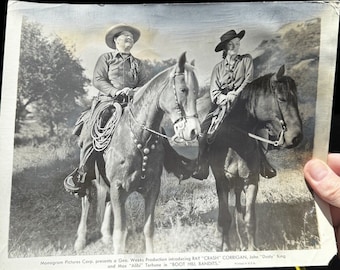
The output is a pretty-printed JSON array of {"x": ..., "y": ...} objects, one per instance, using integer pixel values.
[{"x": 116, "y": 29}]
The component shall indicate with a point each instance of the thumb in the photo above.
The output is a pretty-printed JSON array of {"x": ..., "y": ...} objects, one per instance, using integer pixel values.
[{"x": 324, "y": 182}]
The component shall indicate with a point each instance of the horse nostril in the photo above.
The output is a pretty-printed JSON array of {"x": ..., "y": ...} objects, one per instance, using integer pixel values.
[
  {"x": 184, "y": 90},
  {"x": 297, "y": 139},
  {"x": 193, "y": 134}
]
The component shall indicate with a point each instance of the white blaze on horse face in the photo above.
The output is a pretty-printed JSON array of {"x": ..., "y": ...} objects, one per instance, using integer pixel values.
[{"x": 186, "y": 87}]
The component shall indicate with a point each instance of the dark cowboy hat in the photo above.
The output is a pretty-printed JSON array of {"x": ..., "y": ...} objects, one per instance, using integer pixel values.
[
  {"x": 116, "y": 30},
  {"x": 226, "y": 37}
]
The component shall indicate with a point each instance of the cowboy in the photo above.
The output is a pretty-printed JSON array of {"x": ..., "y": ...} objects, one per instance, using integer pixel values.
[
  {"x": 228, "y": 79},
  {"x": 117, "y": 73}
]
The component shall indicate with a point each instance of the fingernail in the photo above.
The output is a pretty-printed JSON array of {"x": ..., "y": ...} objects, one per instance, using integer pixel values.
[{"x": 318, "y": 170}]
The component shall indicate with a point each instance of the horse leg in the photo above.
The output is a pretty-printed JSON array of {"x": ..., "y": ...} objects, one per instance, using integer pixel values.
[
  {"x": 239, "y": 217},
  {"x": 150, "y": 202},
  {"x": 118, "y": 198},
  {"x": 105, "y": 228},
  {"x": 250, "y": 216},
  {"x": 82, "y": 227},
  {"x": 104, "y": 209},
  {"x": 224, "y": 216}
]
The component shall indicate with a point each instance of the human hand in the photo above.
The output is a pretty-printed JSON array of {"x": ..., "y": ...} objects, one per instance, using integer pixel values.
[
  {"x": 231, "y": 96},
  {"x": 324, "y": 179},
  {"x": 126, "y": 91}
]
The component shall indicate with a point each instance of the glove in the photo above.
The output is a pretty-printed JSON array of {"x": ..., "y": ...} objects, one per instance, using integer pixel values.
[{"x": 125, "y": 91}]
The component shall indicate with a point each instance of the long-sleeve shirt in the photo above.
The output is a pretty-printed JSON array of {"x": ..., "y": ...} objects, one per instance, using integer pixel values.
[
  {"x": 113, "y": 72},
  {"x": 228, "y": 76}
]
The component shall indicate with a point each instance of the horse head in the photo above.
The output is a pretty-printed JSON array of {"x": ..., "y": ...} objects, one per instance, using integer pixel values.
[
  {"x": 180, "y": 103},
  {"x": 278, "y": 110}
]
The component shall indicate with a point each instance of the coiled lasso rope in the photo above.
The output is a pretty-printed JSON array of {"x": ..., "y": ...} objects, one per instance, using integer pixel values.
[{"x": 102, "y": 135}]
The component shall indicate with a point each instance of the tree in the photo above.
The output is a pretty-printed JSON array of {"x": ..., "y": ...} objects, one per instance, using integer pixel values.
[{"x": 50, "y": 80}]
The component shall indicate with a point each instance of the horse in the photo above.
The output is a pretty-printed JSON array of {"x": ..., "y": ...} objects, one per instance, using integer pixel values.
[
  {"x": 268, "y": 102},
  {"x": 135, "y": 155}
]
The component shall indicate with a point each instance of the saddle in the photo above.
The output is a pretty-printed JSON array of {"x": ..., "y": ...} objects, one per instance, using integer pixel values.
[
  {"x": 102, "y": 117},
  {"x": 217, "y": 118}
]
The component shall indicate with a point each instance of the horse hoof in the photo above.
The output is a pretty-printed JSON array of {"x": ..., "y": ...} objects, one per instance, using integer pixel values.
[
  {"x": 79, "y": 245},
  {"x": 225, "y": 248}
]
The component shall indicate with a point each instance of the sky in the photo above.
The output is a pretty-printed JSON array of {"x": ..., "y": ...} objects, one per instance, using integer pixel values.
[{"x": 167, "y": 30}]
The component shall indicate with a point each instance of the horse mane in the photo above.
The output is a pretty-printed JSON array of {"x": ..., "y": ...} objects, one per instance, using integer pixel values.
[
  {"x": 249, "y": 95},
  {"x": 262, "y": 86},
  {"x": 151, "y": 83},
  {"x": 168, "y": 72}
]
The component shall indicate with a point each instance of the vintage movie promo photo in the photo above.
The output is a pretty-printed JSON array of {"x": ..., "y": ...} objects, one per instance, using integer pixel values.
[{"x": 165, "y": 136}]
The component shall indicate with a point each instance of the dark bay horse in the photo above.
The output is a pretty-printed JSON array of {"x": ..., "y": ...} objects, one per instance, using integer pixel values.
[
  {"x": 269, "y": 102},
  {"x": 134, "y": 157}
]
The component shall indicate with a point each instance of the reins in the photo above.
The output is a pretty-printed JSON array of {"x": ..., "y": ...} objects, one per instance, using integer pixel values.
[
  {"x": 262, "y": 139},
  {"x": 280, "y": 140},
  {"x": 145, "y": 127},
  {"x": 182, "y": 118}
]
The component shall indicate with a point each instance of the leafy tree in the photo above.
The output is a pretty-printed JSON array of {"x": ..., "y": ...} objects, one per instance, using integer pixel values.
[{"x": 50, "y": 80}]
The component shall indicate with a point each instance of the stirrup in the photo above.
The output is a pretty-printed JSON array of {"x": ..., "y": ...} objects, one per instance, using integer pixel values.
[
  {"x": 216, "y": 122},
  {"x": 69, "y": 183}
]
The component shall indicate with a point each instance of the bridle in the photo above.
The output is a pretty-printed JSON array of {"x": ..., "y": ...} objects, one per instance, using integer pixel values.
[
  {"x": 280, "y": 138},
  {"x": 179, "y": 124}
]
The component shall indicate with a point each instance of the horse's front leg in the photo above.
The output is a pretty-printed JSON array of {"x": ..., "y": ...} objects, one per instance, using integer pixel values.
[
  {"x": 150, "y": 203},
  {"x": 250, "y": 215},
  {"x": 239, "y": 216},
  {"x": 105, "y": 228},
  {"x": 82, "y": 227},
  {"x": 224, "y": 216},
  {"x": 104, "y": 210},
  {"x": 118, "y": 198}
]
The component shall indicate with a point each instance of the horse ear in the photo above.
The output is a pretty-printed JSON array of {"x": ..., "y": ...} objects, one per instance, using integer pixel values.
[
  {"x": 181, "y": 62},
  {"x": 192, "y": 63},
  {"x": 280, "y": 73}
]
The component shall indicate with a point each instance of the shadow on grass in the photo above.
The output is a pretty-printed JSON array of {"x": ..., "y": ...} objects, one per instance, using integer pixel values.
[{"x": 44, "y": 218}]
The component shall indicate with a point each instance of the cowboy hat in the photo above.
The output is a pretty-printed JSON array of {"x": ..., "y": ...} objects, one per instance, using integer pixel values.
[
  {"x": 116, "y": 30},
  {"x": 226, "y": 37}
]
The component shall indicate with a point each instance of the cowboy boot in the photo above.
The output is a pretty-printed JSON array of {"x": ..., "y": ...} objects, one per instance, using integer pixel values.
[
  {"x": 266, "y": 170},
  {"x": 77, "y": 181},
  {"x": 74, "y": 181},
  {"x": 202, "y": 171}
]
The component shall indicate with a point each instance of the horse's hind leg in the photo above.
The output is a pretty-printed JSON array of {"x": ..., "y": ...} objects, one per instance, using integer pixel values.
[
  {"x": 150, "y": 202},
  {"x": 246, "y": 214},
  {"x": 104, "y": 211},
  {"x": 239, "y": 218},
  {"x": 250, "y": 216},
  {"x": 82, "y": 227}
]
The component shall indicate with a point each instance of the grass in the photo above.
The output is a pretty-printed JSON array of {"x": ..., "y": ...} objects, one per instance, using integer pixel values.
[{"x": 44, "y": 217}]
